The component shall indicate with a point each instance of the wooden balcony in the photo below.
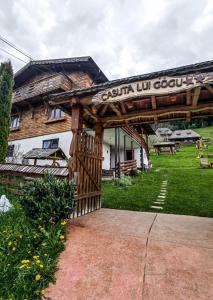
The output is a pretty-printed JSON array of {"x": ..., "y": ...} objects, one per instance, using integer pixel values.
[{"x": 57, "y": 82}]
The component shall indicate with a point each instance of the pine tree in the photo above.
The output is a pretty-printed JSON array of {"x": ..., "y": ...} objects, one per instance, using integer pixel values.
[{"x": 6, "y": 86}]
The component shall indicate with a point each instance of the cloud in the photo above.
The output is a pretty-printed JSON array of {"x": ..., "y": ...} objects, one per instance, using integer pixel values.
[{"x": 124, "y": 37}]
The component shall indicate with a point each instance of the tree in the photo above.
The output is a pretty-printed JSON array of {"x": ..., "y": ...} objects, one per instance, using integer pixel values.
[{"x": 6, "y": 87}]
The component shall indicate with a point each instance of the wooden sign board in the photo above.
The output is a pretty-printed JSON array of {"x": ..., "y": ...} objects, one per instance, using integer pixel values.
[{"x": 159, "y": 86}]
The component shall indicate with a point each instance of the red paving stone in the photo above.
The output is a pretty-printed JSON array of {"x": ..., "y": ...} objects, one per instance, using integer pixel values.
[{"x": 122, "y": 255}]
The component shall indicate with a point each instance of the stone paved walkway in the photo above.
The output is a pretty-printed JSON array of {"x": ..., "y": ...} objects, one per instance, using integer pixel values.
[{"x": 122, "y": 255}]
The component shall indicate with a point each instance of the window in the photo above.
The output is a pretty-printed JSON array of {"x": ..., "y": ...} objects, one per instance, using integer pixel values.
[
  {"x": 10, "y": 150},
  {"x": 14, "y": 121},
  {"x": 50, "y": 144},
  {"x": 55, "y": 112}
]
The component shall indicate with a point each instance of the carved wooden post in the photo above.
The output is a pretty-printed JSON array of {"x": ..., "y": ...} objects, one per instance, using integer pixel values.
[
  {"x": 124, "y": 147},
  {"x": 132, "y": 150},
  {"x": 116, "y": 151},
  {"x": 99, "y": 130},
  {"x": 77, "y": 124},
  {"x": 119, "y": 153},
  {"x": 142, "y": 159}
]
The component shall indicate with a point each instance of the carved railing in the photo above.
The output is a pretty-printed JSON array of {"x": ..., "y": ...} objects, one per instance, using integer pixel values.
[
  {"x": 125, "y": 167},
  {"x": 42, "y": 87}
]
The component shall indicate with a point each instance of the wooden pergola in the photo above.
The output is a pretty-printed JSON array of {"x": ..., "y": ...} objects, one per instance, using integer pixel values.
[{"x": 131, "y": 104}]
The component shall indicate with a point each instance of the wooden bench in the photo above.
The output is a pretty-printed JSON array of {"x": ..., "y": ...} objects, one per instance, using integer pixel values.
[{"x": 204, "y": 162}]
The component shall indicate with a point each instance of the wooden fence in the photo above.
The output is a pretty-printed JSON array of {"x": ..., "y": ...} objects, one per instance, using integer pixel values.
[
  {"x": 127, "y": 166},
  {"x": 13, "y": 176}
]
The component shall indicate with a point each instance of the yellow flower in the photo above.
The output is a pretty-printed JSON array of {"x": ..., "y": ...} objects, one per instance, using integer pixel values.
[
  {"x": 14, "y": 248},
  {"x": 25, "y": 261},
  {"x": 38, "y": 261},
  {"x": 45, "y": 254},
  {"x": 61, "y": 237},
  {"x": 22, "y": 266},
  {"x": 41, "y": 266},
  {"x": 42, "y": 292},
  {"x": 63, "y": 223},
  {"x": 36, "y": 257},
  {"x": 38, "y": 277},
  {"x": 10, "y": 243}
]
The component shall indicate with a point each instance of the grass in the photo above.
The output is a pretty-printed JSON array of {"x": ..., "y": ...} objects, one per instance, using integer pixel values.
[
  {"x": 28, "y": 254},
  {"x": 190, "y": 188}
]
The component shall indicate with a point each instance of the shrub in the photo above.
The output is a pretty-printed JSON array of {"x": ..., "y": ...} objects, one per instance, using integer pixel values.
[
  {"x": 133, "y": 173},
  {"x": 48, "y": 199},
  {"x": 6, "y": 86},
  {"x": 124, "y": 181}
]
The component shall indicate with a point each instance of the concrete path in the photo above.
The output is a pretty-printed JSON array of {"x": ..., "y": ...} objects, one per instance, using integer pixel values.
[{"x": 122, "y": 255}]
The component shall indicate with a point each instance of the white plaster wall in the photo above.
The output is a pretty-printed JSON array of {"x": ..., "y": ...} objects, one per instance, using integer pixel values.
[
  {"x": 138, "y": 158},
  {"x": 106, "y": 156},
  {"x": 25, "y": 145}
]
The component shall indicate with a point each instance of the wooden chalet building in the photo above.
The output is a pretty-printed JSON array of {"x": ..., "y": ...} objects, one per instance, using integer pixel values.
[
  {"x": 37, "y": 125},
  {"x": 69, "y": 104}
]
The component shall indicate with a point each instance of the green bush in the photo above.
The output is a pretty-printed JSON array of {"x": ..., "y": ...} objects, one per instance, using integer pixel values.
[
  {"x": 48, "y": 199},
  {"x": 124, "y": 181}
]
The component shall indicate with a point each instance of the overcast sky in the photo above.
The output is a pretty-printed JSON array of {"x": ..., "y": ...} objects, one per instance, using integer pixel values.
[{"x": 124, "y": 37}]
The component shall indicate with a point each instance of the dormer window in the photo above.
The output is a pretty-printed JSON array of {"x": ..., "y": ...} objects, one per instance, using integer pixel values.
[
  {"x": 14, "y": 122},
  {"x": 55, "y": 113}
]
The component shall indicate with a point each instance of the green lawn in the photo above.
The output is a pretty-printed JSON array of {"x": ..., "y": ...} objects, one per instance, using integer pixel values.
[{"x": 190, "y": 188}]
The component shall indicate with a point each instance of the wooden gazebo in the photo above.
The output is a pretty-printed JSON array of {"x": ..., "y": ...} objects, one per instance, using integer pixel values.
[{"x": 131, "y": 103}]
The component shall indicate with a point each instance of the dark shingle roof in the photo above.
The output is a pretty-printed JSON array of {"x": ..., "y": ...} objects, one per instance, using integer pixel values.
[
  {"x": 206, "y": 66},
  {"x": 9, "y": 168},
  {"x": 184, "y": 134},
  {"x": 39, "y": 153},
  {"x": 85, "y": 63},
  {"x": 164, "y": 131}
]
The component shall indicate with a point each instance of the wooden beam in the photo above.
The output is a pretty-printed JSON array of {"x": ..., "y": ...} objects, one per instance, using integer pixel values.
[
  {"x": 99, "y": 131},
  {"x": 154, "y": 104},
  {"x": 156, "y": 119},
  {"x": 102, "y": 112},
  {"x": 123, "y": 108},
  {"x": 188, "y": 116},
  {"x": 143, "y": 114},
  {"x": 115, "y": 109},
  {"x": 196, "y": 96},
  {"x": 77, "y": 114},
  {"x": 209, "y": 88},
  {"x": 188, "y": 97},
  {"x": 89, "y": 113}
]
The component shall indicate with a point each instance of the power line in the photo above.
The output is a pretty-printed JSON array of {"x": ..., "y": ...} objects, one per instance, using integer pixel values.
[
  {"x": 12, "y": 55},
  {"x": 15, "y": 47}
]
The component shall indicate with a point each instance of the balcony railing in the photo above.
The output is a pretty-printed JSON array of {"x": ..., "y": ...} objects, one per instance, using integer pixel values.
[
  {"x": 126, "y": 167},
  {"x": 42, "y": 87}
]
